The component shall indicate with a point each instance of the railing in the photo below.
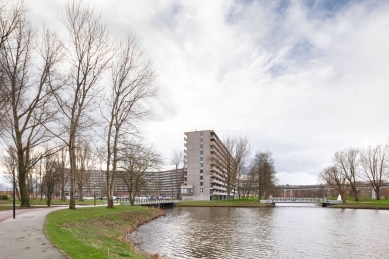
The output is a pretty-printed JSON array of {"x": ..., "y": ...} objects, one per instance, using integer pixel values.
[
  {"x": 300, "y": 200},
  {"x": 152, "y": 201},
  {"x": 323, "y": 201}
]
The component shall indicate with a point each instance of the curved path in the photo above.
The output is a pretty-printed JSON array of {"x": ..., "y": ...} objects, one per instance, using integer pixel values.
[{"x": 23, "y": 237}]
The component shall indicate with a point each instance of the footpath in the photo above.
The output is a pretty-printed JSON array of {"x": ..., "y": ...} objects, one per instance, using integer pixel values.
[{"x": 23, "y": 237}]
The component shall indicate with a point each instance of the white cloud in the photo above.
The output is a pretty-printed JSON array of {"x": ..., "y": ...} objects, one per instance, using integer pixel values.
[{"x": 301, "y": 81}]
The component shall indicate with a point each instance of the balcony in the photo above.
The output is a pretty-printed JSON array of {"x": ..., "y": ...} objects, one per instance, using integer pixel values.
[{"x": 186, "y": 190}]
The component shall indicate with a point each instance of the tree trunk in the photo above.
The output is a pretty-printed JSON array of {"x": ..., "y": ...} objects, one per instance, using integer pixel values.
[
  {"x": 343, "y": 198},
  {"x": 72, "y": 157},
  {"x": 377, "y": 193},
  {"x": 355, "y": 193},
  {"x": 24, "y": 197}
]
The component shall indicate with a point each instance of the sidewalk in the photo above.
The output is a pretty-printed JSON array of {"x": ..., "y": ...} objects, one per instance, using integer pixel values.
[{"x": 23, "y": 237}]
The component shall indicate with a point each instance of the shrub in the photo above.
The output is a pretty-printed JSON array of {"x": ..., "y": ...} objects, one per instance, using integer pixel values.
[{"x": 3, "y": 197}]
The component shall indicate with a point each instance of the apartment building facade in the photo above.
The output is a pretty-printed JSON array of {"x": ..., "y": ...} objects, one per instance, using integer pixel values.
[{"x": 202, "y": 180}]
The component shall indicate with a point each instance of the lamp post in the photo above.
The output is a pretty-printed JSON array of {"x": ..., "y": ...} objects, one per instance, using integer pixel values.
[
  {"x": 94, "y": 193},
  {"x": 14, "y": 188}
]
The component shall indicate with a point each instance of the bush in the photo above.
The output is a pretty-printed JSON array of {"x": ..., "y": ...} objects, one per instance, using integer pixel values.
[{"x": 4, "y": 197}]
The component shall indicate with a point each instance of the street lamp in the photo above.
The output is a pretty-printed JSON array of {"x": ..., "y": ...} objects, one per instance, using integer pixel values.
[
  {"x": 94, "y": 193},
  {"x": 14, "y": 188}
]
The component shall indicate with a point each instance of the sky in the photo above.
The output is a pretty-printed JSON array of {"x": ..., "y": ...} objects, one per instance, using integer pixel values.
[{"x": 302, "y": 79}]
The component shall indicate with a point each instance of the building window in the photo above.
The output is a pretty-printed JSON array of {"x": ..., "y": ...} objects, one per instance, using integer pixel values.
[
  {"x": 201, "y": 158},
  {"x": 201, "y": 183},
  {"x": 201, "y": 165},
  {"x": 201, "y": 171},
  {"x": 201, "y": 145},
  {"x": 201, "y": 133},
  {"x": 201, "y": 177},
  {"x": 201, "y": 152},
  {"x": 187, "y": 190},
  {"x": 201, "y": 189}
]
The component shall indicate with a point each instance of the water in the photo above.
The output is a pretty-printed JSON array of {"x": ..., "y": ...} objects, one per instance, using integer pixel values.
[{"x": 280, "y": 232}]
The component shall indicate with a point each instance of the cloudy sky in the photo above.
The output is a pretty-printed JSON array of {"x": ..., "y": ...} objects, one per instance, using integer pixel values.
[{"x": 302, "y": 79}]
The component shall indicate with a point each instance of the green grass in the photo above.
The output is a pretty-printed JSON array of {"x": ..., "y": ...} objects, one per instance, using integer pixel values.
[
  {"x": 97, "y": 232},
  {"x": 222, "y": 203},
  {"x": 364, "y": 203}
]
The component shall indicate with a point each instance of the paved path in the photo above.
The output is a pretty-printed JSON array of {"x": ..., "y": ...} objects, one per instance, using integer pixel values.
[{"x": 23, "y": 237}]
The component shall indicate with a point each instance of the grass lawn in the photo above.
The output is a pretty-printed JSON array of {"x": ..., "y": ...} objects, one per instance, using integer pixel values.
[
  {"x": 222, "y": 203},
  {"x": 97, "y": 232},
  {"x": 364, "y": 203}
]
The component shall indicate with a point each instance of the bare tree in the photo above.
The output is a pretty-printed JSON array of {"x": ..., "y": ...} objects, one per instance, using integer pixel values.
[
  {"x": 52, "y": 176},
  {"x": 347, "y": 162},
  {"x": 246, "y": 183},
  {"x": 29, "y": 84},
  {"x": 137, "y": 161},
  {"x": 11, "y": 14},
  {"x": 336, "y": 178},
  {"x": 178, "y": 179},
  {"x": 242, "y": 151},
  {"x": 132, "y": 85},
  {"x": 374, "y": 161},
  {"x": 11, "y": 159},
  {"x": 263, "y": 172},
  {"x": 62, "y": 167},
  {"x": 88, "y": 52}
]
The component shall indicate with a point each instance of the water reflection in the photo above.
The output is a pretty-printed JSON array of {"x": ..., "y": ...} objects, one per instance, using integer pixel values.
[{"x": 282, "y": 232}]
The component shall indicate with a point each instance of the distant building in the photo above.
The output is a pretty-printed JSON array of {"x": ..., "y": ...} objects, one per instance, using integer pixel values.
[
  {"x": 202, "y": 180},
  {"x": 164, "y": 184}
]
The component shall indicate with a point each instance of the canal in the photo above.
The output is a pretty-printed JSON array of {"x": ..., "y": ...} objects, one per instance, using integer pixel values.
[{"x": 281, "y": 232}]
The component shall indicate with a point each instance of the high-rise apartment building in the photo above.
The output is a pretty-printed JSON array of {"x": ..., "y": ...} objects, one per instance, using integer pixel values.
[{"x": 203, "y": 181}]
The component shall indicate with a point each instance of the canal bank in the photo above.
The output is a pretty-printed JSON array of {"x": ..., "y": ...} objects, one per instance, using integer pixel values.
[
  {"x": 374, "y": 205},
  {"x": 223, "y": 203},
  {"x": 304, "y": 231},
  {"x": 98, "y": 232}
]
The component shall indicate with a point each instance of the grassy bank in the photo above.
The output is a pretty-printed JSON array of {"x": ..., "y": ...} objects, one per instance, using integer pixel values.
[
  {"x": 232, "y": 203},
  {"x": 97, "y": 232},
  {"x": 364, "y": 204}
]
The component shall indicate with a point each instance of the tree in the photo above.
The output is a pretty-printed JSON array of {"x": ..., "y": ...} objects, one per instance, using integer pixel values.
[
  {"x": 374, "y": 161},
  {"x": 10, "y": 160},
  {"x": 137, "y": 161},
  {"x": 246, "y": 183},
  {"x": 88, "y": 54},
  {"x": 11, "y": 15},
  {"x": 263, "y": 172},
  {"x": 242, "y": 151},
  {"x": 52, "y": 176},
  {"x": 337, "y": 179},
  {"x": 347, "y": 162},
  {"x": 178, "y": 179},
  {"x": 29, "y": 84},
  {"x": 131, "y": 87}
]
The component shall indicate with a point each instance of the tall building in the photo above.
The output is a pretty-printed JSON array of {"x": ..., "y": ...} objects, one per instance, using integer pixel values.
[{"x": 202, "y": 180}]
